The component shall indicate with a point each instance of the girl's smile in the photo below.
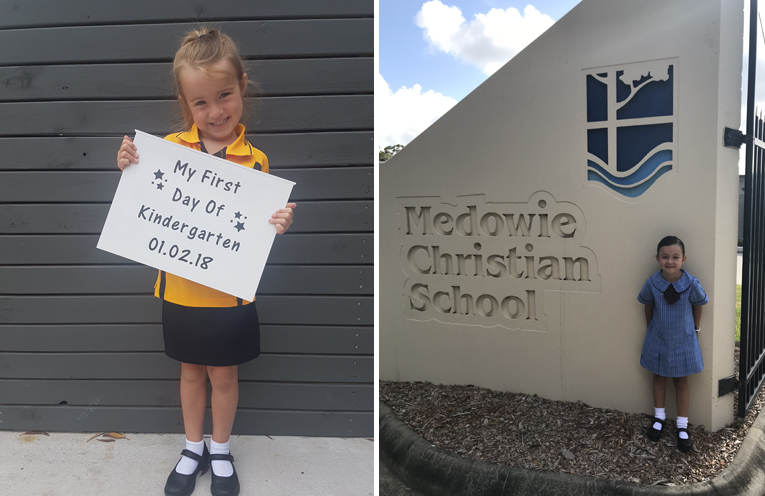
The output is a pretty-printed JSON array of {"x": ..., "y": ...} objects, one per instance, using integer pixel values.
[
  {"x": 670, "y": 260},
  {"x": 215, "y": 99}
]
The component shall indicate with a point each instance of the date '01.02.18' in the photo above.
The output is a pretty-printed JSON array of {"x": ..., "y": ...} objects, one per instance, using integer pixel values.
[{"x": 174, "y": 251}]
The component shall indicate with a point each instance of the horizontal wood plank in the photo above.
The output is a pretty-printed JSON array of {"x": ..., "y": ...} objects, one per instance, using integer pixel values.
[
  {"x": 139, "y": 279},
  {"x": 159, "y": 42},
  {"x": 287, "y": 249},
  {"x": 154, "y": 81},
  {"x": 290, "y": 150},
  {"x": 316, "y": 149},
  {"x": 34, "y": 338},
  {"x": 266, "y": 367},
  {"x": 148, "y": 337},
  {"x": 170, "y": 419},
  {"x": 325, "y": 183},
  {"x": 315, "y": 339},
  {"x": 261, "y": 395},
  {"x": 342, "y": 216},
  {"x": 137, "y": 309},
  {"x": 278, "y": 114},
  {"x": 15, "y": 14}
]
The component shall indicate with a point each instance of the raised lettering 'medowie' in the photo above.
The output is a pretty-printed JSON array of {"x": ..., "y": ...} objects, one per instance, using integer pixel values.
[{"x": 479, "y": 263}]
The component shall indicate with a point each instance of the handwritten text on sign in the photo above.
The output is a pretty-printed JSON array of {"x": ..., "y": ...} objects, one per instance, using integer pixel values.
[{"x": 194, "y": 215}]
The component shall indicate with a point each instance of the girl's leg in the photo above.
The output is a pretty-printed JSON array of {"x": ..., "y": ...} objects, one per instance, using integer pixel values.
[
  {"x": 682, "y": 396},
  {"x": 225, "y": 398},
  {"x": 193, "y": 402},
  {"x": 683, "y": 399},
  {"x": 659, "y": 390},
  {"x": 193, "y": 399}
]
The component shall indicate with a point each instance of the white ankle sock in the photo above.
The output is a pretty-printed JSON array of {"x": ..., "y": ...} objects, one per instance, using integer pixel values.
[
  {"x": 682, "y": 423},
  {"x": 660, "y": 414},
  {"x": 187, "y": 466},
  {"x": 222, "y": 468}
]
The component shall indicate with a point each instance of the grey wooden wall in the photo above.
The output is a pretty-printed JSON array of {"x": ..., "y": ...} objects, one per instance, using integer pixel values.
[{"x": 80, "y": 339}]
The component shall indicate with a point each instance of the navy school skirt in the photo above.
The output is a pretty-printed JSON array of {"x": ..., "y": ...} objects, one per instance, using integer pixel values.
[{"x": 218, "y": 337}]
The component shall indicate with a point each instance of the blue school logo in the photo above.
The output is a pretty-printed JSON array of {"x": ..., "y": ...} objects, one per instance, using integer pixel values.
[{"x": 631, "y": 130}]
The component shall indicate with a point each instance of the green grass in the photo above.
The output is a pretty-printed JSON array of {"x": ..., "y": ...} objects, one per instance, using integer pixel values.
[{"x": 738, "y": 313}]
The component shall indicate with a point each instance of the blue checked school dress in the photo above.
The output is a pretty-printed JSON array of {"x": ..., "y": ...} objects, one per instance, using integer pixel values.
[{"x": 671, "y": 348}]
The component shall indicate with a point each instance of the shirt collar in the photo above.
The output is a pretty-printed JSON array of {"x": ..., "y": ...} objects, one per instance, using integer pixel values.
[
  {"x": 680, "y": 285},
  {"x": 240, "y": 146}
]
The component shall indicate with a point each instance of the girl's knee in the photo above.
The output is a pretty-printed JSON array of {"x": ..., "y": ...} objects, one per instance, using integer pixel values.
[
  {"x": 223, "y": 377},
  {"x": 680, "y": 382},
  {"x": 193, "y": 373}
]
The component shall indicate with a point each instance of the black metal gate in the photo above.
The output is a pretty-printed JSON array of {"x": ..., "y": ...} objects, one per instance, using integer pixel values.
[{"x": 752, "y": 361}]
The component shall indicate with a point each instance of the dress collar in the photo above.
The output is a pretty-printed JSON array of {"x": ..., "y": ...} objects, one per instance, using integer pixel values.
[
  {"x": 680, "y": 285},
  {"x": 240, "y": 146}
]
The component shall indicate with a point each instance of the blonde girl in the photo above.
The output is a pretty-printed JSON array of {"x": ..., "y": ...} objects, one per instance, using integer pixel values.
[{"x": 208, "y": 331}]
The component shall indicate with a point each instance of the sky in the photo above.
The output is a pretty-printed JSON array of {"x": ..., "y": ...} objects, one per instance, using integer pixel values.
[{"x": 433, "y": 53}]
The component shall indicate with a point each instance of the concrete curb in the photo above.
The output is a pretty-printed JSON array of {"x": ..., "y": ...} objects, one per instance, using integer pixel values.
[{"x": 437, "y": 472}]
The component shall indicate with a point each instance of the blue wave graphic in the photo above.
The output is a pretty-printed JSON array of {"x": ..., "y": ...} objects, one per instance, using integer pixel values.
[
  {"x": 634, "y": 191},
  {"x": 644, "y": 171}
]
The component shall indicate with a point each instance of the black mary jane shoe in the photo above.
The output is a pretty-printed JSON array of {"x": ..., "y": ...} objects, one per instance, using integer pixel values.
[
  {"x": 183, "y": 485},
  {"x": 684, "y": 445},
  {"x": 224, "y": 486},
  {"x": 655, "y": 434}
]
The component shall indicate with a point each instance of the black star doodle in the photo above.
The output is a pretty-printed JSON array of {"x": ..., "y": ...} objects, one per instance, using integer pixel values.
[
  {"x": 158, "y": 174},
  {"x": 239, "y": 227},
  {"x": 238, "y": 215},
  {"x": 160, "y": 186}
]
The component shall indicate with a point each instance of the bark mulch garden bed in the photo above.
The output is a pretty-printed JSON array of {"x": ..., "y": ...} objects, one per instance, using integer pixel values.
[{"x": 526, "y": 431}]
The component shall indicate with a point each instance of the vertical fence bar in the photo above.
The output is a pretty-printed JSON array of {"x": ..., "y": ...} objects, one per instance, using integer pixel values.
[{"x": 748, "y": 193}]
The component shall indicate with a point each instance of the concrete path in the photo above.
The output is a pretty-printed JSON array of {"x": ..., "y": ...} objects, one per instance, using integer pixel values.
[{"x": 64, "y": 464}]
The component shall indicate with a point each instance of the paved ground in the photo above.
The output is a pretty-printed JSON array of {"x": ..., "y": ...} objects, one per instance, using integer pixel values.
[{"x": 64, "y": 464}]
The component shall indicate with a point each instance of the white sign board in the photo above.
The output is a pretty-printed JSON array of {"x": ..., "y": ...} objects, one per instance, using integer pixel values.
[{"x": 194, "y": 215}]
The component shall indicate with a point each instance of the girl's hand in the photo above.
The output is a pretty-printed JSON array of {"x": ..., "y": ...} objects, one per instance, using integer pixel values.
[
  {"x": 128, "y": 153},
  {"x": 282, "y": 218}
]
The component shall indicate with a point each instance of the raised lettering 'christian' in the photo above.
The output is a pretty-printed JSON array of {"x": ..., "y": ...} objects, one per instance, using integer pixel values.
[{"x": 489, "y": 263}]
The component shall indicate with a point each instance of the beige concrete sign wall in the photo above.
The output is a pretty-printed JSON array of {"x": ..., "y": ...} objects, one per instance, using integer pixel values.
[{"x": 517, "y": 231}]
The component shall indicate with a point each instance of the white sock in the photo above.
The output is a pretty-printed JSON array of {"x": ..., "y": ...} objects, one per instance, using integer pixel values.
[
  {"x": 222, "y": 468},
  {"x": 682, "y": 423},
  {"x": 187, "y": 466},
  {"x": 660, "y": 414}
]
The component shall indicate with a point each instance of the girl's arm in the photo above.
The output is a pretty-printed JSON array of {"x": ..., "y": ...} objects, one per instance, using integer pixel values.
[
  {"x": 697, "y": 316},
  {"x": 648, "y": 313}
]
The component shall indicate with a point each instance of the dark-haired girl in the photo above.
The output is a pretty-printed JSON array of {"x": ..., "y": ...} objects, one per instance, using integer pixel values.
[{"x": 672, "y": 299}]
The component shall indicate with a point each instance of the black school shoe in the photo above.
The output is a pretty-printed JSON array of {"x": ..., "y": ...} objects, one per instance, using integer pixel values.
[
  {"x": 684, "y": 445},
  {"x": 224, "y": 486},
  {"x": 655, "y": 434},
  {"x": 183, "y": 485}
]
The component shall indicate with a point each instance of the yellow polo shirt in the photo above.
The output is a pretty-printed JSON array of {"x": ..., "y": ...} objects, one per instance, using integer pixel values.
[{"x": 188, "y": 293}]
